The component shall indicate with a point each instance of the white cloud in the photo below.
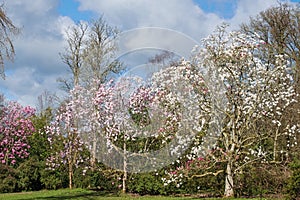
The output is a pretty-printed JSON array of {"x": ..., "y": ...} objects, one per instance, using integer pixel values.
[
  {"x": 183, "y": 16},
  {"x": 249, "y": 8},
  {"x": 25, "y": 84},
  {"x": 178, "y": 19},
  {"x": 37, "y": 63}
]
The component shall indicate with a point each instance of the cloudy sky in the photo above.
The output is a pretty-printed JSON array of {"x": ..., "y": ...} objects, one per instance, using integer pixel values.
[{"x": 43, "y": 23}]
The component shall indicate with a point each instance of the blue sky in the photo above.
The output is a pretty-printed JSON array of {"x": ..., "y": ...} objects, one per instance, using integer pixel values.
[
  {"x": 224, "y": 9},
  {"x": 70, "y": 8},
  {"x": 37, "y": 63}
]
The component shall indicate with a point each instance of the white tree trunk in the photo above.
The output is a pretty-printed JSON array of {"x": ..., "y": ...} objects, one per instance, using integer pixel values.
[
  {"x": 93, "y": 156},
  {"x": 124, "y": 169},
  {"x": 70, "y": 174},
  {"x": 229, "y": 192}
]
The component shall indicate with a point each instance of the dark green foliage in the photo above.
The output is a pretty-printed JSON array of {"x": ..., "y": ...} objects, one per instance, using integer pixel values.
[
  {"x": 152, "y": 184},
  {"x": 38, "y": 140},
  {"x": 8, "y": 179},
  {"x": 293, "y": 187},
  {"x": 81, "y": 179},
  {"x": 108, "y": 182},
  {"x": 207, "y": 185},
  {"x": 54, "y": 179},
  {"x": 146, "y": 183},
  {"x": 98, "y": 178},
  {"x": 90, "y": 179},
  {"x": 261, "y": 179},
  {"x": 29, "y": 173}
]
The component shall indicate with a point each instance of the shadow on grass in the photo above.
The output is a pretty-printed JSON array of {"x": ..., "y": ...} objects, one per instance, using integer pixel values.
[{"x": 85, "y": 195}]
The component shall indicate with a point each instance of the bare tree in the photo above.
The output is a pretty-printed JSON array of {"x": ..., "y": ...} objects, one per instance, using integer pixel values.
[
  {"x": 99, "y": 52},
  {"x": 89, "y": 56},
  {"x": 7, "y": 29},
  {"x": 164, "y": 58},
  {"x": 73, "y": 55},
  {"x": 89, "y": 52},
  {"x": 279, "y": 28},
  {"x": 46, "y": 100},
  {"x": 2, "y": 101}
]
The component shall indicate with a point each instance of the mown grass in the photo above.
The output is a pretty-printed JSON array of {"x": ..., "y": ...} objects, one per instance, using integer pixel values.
[{"x": 82, "y": 194}]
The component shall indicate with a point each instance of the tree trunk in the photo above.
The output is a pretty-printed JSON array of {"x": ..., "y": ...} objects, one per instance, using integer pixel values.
[
  {"x": 275, "y": 145},
  {"x": 124, "y": 168},
  {"x": 229, "y": 192},
  {"x": 70, "y": 175},
  {"x": 93, "y": 156}
]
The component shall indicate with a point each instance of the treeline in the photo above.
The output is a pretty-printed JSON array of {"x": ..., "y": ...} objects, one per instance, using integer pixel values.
[{"x": 32, "y": 173}]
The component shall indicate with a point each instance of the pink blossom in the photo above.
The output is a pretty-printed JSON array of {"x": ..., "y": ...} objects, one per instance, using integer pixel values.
[{"x": 16, "y": 126}]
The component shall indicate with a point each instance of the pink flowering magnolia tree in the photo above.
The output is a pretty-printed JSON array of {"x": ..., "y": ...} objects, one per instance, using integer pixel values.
[
  {"x": 249, "y": 92},
  {"x": 125, "y": 123},
  {"x": 80, "y": 125},
  {"x": 133, "y": 124},
  {"x": 65, "y": 144},
  {"x": 15, "y": 127},
  {"x": 156, "y": 115}
]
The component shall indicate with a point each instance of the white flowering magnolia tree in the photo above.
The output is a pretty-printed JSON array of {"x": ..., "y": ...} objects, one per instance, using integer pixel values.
[{"x": 256, "y": 92}]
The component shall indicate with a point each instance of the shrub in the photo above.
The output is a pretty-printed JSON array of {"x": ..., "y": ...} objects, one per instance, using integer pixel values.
[
  {"x": 54, "y": 179},
  {"x": 29, "y": 173},
  {"x": 145, "y": 183},
  {"x": 260, "y": 179},
  {"x": 293, "y": 186},
  {"x": 8, "y": 179}
]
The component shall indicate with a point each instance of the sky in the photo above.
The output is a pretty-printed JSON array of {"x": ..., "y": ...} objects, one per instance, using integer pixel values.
[{"x": 43, "y": 23}]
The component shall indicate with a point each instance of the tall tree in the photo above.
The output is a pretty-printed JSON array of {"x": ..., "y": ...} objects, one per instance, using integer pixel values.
[
  {"x": 73, "y": 55},
  {"x": 279, "y": 28},
  {"x": 89, "y": 56},
  {"x": 256, "y": 91},
  {"x": 46, "y": 101},
  {"x": 7, "y": 29},
  {"x": 65, "y": 144},
  {"x": 89, "y": 52},
  {"x": 99, "y": 52},
  {"x": 1, "y": 100}
]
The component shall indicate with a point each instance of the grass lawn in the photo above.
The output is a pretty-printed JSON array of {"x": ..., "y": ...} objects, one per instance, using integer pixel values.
[{"x": 81, "y": 194}]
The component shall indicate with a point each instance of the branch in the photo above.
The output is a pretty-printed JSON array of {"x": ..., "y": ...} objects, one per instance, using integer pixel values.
[{"x": 206, "y": 174}]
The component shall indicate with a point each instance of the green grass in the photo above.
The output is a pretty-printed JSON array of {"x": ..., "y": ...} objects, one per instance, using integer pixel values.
[
  {"x": 82, "y": 194},
  {"x": 78, "y": 194}
]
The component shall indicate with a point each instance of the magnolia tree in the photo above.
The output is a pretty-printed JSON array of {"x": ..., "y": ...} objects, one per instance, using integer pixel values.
[
  {"x": 124, "y": 124},
  {"x": 65, "y": 144},
  {"x": 80, "y": 124},
  {"x": 255, "y": 92},
  {"x": 129, "y": 124},
  {"x": 139, "y": 125},
  {"x": 15, "y": 127}
]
